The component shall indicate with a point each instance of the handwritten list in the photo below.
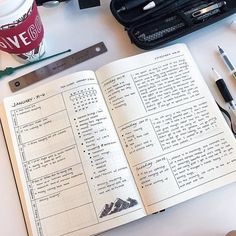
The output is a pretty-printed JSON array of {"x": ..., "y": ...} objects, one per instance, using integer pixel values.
[{"x": 71, "y": 159}]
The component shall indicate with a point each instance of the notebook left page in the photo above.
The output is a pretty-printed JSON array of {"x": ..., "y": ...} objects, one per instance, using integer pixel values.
[{"x": 71, "y": 172}]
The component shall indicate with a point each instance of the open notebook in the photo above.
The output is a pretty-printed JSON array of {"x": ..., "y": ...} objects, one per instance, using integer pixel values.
[{"x": 92, "y": 151}]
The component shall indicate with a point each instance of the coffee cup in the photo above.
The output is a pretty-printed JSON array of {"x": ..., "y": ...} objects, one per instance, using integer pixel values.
[{"x": 21, "y": 30}]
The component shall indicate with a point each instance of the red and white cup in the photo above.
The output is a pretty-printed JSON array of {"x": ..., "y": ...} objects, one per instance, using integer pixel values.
[{"x": 21, "y": 30}]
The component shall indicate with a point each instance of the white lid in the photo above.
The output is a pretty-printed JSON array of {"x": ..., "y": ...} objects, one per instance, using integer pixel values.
[
  {"x": 9, "y": 6},
  {"x": 11, "y": 10}
]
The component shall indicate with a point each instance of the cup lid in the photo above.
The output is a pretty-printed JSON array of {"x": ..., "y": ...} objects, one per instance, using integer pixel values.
[
  {"x": 11, "y": 11},
  {"x": 8, "y": 6}
]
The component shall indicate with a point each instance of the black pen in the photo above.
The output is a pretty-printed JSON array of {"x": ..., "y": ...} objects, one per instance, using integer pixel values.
[
  {"x": 224, "y": 90},
  {"x": 131, "y": 4}
]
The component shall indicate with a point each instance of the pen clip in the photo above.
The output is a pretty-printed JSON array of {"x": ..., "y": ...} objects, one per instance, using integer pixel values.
[
  {"x": 233, "y": 118},
  {"x": 231, "y": 115}
]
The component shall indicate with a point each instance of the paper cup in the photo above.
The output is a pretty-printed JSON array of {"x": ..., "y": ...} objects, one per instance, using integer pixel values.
[{"x": 21, "y": 30}]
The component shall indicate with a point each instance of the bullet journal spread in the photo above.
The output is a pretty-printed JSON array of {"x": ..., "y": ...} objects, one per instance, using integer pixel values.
[{"x": 95, "y": 150}]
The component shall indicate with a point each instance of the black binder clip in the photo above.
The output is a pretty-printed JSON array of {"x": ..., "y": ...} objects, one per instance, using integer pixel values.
[{"x": 88, "y": 3}]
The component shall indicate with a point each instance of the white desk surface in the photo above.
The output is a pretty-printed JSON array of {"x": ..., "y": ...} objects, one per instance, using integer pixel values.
[{"x": 212, "y": 214}]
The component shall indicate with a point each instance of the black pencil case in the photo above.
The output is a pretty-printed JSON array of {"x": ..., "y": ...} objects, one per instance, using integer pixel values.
[{"x": 166, "y": 20}]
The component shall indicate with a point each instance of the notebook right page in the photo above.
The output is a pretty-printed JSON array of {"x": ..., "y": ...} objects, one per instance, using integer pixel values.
[{"x": 177, "y": 142}]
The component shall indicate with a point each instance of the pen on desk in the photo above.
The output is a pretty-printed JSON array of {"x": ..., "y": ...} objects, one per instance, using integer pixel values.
[
  {"x": 224, "y": 90},
  {"x": 227, "y": 62}
]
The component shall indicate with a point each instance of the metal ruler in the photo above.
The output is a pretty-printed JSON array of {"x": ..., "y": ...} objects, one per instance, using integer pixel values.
[{"x": 57, "y": 66}]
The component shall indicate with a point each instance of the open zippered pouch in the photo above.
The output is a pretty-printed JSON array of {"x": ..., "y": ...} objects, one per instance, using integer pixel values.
[{"x": 152, "y": 23}]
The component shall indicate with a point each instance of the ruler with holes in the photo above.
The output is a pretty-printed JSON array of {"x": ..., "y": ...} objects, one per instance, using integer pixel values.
[{"x": 57, "y": 66}]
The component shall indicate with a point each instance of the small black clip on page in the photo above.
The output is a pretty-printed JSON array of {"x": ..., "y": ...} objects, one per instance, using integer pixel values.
[{"x": 229, "y": 117}]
